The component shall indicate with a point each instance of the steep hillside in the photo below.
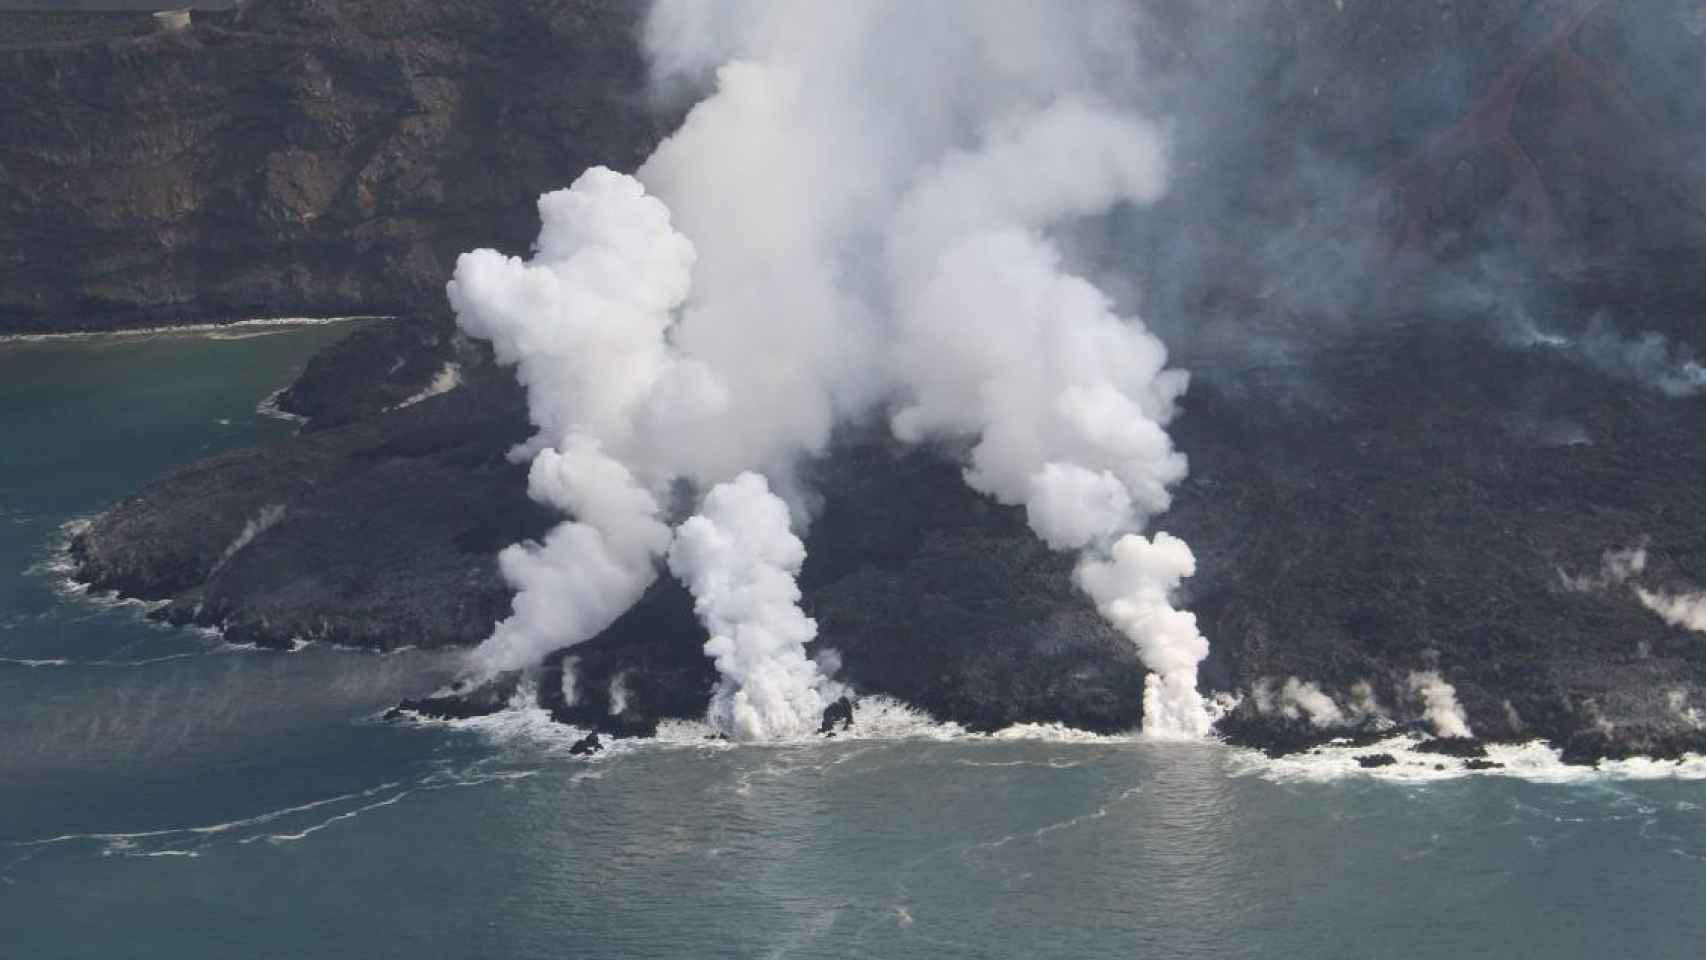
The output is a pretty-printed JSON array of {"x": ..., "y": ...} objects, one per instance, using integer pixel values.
[{"x": 301, "y": 158}]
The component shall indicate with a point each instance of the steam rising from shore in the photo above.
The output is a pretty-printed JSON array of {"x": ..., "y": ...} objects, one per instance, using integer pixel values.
[
  {"x": 872, "y": 215},
  {"x": 1439, "y": 705},
  {"x": 583, "y": 323},
  {"x": 739, "y": 558},
  {"x": 1686, "y": 610}
]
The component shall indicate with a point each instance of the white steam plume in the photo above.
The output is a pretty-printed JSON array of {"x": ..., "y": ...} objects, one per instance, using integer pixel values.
[
  {"x": 584, "y": 324},
  {"x": 1066, "y": 400},
  {"x": 590, "y": 325},
  {"x": 1067, "y": 403},
  {"x": 1686, "y": 610},
  {"x": 874, "y": 205},
  {"x": 1131, "y": 588},
  {"x": 1301, "y": 699},
  {"x": 1439, "y": 704},
  {"x": 874, "y": 192},
  {"x": 739, "y": 558}
]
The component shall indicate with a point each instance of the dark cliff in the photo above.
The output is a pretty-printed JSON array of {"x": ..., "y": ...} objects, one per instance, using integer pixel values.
[
  {"x": 301, "y": 157},
  {"x": 316, "y": 157}
]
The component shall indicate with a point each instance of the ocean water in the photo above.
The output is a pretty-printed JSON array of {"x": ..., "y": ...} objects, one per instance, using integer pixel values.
[{"x": 162, "y": 795}]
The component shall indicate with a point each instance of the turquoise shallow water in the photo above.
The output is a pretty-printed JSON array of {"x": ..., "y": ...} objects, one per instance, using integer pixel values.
[{"x": 162, "y": 796}]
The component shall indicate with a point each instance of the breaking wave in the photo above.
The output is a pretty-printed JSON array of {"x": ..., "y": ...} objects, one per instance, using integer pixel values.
[
  {"x": 283, "y": 825},
  {"x": 878, "y": 719},
  {"x": 268, "y": 407},
  {"x": 1535, "y": 762},
  {"x": 883, "y": 719},
  {"x": 37, "y": 663}
]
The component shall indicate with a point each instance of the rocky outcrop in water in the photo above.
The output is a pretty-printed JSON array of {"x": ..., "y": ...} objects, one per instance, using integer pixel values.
[{"x": 379, "y": 534}]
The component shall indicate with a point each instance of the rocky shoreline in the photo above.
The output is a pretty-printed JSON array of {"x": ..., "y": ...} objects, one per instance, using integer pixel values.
[
  {"x": 1318, "y": 523},
  {"x": 1428, "y": 402}
]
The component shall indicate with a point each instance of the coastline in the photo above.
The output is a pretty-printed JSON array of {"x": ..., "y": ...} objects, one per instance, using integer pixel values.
[{"x": 259, "y": 324}]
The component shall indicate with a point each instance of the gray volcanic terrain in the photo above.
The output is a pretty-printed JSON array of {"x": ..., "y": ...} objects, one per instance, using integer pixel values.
[{"x": 1434, "y": 269}]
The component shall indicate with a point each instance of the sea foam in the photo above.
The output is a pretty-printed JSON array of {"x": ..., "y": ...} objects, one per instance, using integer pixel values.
[{"x": 1535, "y": 761}]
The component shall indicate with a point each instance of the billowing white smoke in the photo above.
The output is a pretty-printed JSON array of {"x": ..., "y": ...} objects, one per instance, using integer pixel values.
[
  {"x": 740, "y": 558},
  {"x": 874, "y": 192},
  {"x": 1685, "y": 610},
  {"x": 950, "y": 147},
  {"x": 590, "y": 325},
  {"x": 1131, "y": 588},
  {"x": 1067, "y": 401},
  {"x": 618, "y": 694},
  {"x": 571, "y": 681},
  {"x": 1439, "y": 704},
  {"x": 584, "y": 324},
  {"x": 1300, "y": 700}
]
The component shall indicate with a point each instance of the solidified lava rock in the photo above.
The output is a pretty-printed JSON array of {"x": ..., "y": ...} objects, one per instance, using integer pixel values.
[
  {"x": 381, "y": 367},
  {"x": 1462, "y": 747},
  {"x": 841, "y": 711},
  {"x": 1279, "y": 736},
  {"x": 381, "y": 533},
  {"x": 1275, "y": 737},
  {"x": 586, "y": 746},
  {"x": 1376, "y": 760},
  {"x": 1587, "y": 747},
  {"x": 462, "y": 704}
]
